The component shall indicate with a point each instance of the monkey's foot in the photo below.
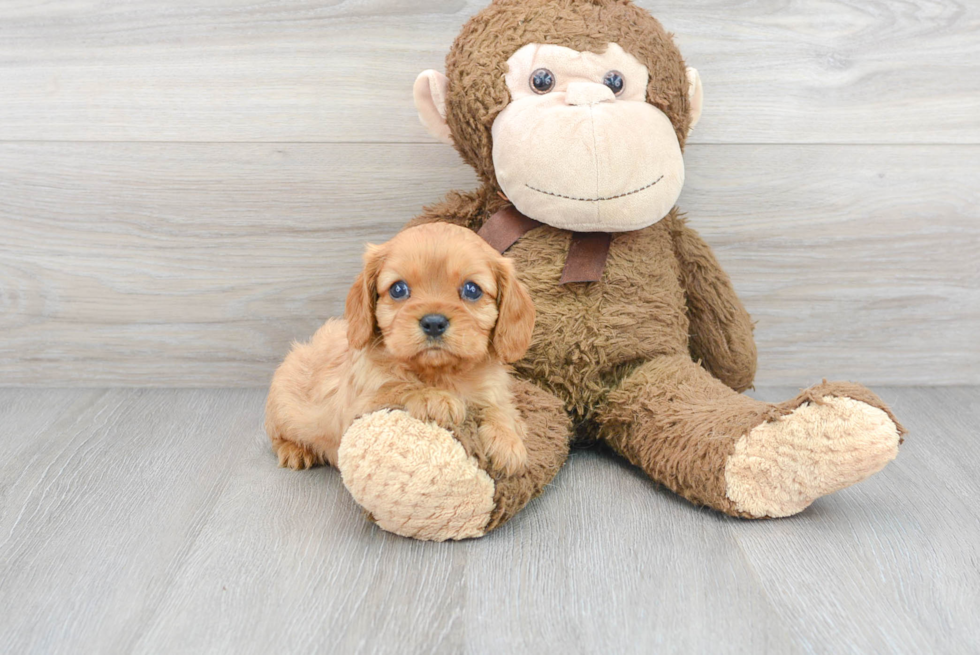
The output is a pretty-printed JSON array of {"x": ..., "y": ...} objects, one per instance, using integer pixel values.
[
  {"x": 823, "y": 445},
  {"x": 414, "y": 478}
]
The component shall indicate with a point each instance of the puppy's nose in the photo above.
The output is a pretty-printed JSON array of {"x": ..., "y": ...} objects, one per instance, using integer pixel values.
[{"x": 434, "y": 324}]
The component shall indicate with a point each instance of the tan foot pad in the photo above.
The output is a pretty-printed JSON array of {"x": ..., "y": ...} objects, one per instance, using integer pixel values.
[
  {"x": 414, "y": 478},
  {"x": 782, "y": 466}
]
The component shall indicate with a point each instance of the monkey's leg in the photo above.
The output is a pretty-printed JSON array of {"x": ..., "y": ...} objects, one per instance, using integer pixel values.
[
  {"x": 417, "y": 480},
  {"x": 715, "y": 447}
]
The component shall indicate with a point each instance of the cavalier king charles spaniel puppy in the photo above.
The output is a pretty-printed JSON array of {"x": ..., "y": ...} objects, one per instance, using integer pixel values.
[{"x": 429, "y": 326}]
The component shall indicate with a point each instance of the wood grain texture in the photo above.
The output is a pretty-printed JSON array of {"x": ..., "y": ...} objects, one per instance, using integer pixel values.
[
  {"x": 104, "y": 494},
  {"x": 198, "y": 264},
  {"x": 775, "y": 71},
  {"x": 157, "y": 521}
]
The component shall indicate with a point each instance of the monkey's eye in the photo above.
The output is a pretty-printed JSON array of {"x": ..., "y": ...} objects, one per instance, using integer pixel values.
[
  {"x": 399, "y": 290},
  {"x": 542, "y": 80},
  {"x": 614, "y": 80},
  {"x": 470, "y": 291}
]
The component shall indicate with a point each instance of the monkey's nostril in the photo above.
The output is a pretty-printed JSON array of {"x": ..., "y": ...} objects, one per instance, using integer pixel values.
[{"x": 434, "y": 325}]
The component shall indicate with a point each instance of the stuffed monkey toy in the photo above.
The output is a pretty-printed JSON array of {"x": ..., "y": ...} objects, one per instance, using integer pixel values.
[{"x": 574, "y": 114}]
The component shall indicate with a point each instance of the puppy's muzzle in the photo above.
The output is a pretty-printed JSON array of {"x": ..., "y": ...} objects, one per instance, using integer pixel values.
[{"x": 434, "y": 325}]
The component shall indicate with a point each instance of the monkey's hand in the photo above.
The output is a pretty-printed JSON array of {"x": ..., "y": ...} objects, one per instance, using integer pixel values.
[{"x": 414, "y": 478}]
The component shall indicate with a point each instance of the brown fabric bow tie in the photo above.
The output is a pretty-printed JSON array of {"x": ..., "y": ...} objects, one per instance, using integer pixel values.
[{"x": 586, "y": 257}]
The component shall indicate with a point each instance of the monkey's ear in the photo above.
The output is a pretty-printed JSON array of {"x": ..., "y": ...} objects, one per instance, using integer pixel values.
[
  {"x": 430, "y": 101},
  {"x": 695, "y": 95}
]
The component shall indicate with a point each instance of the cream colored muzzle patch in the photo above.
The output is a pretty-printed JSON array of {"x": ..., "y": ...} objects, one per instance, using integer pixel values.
[
  {"x": 579, "y": 156},
  {"x": 607, "y": 167}
]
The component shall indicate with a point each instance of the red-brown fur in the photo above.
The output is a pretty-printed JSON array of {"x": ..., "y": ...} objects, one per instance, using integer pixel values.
[{"x": 379, "y": 357}]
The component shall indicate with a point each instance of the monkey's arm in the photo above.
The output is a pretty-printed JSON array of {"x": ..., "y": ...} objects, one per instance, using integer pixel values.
[{"x": 721, "y": 330}]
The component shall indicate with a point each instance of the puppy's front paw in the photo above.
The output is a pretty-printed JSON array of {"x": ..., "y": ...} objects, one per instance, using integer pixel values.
[
  {"x": 440, "y": 407},
  {"x": 505, "y": 449},
  {"x": 295, "y": 456}
]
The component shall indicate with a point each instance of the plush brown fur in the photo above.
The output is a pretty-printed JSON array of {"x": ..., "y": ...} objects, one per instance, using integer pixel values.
[
  {"x": 678, "y": 423},
  {"x": 477, "y": 62},
  {"x": 588, "y": 337},
  {"x": 379, "y": 357},
  {"x": 547, "y": 427},
  {"x": 650, "y": 358}
]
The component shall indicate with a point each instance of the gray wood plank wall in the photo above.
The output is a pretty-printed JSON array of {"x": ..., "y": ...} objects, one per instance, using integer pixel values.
[{"x": 185, "y": 187}]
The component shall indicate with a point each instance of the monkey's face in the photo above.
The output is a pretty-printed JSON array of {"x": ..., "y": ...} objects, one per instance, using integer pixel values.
[
  {"x": 576, "y": 110},
  {"x": 579, "y": 147}
]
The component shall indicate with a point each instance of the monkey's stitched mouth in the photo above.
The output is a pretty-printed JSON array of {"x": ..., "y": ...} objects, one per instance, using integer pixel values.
[{"x": 621, "y": 195}]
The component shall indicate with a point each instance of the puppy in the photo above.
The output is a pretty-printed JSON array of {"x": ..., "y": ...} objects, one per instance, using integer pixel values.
[{"x": 429, "y": 325}]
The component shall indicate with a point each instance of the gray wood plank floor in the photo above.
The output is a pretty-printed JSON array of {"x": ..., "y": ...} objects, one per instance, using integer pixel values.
[{"x": 156, "y": 521}]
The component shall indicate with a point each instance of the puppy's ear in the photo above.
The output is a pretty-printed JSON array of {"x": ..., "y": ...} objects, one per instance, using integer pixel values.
[
  {"x": 515, "y": 317},
  {"x": 362, "y": 300}
]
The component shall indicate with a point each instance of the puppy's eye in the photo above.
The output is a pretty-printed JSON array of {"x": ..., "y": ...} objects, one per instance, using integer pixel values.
[
  {"x": 542, "y": 80},
  {"x": 470, "y": 291},
  {"x": 399, "y": 290},
  {"x": 614, "y": 80}
]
